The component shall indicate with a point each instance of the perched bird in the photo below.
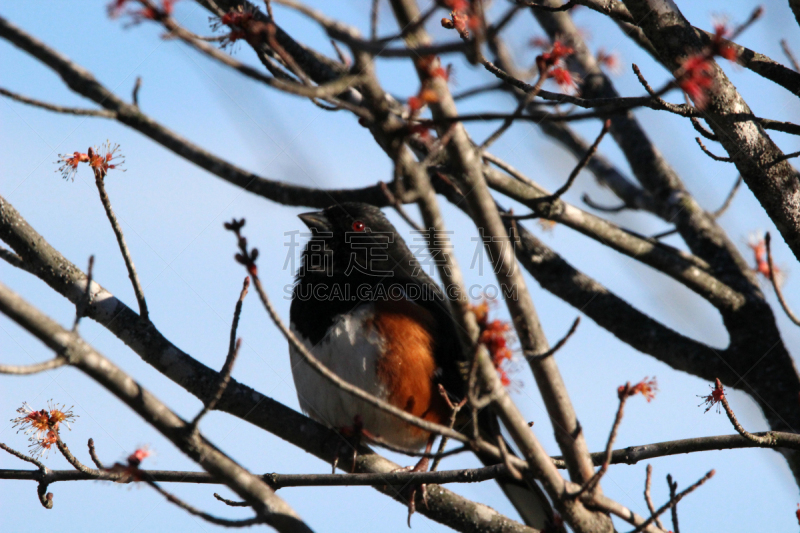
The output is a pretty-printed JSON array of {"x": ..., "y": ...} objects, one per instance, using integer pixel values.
[{"x": 363, "y": 306}]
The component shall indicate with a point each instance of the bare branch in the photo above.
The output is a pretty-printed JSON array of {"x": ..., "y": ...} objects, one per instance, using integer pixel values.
[
  {"x": 790, "y": 56},
  {"x": 23, "y": 370},
  {"x": 373, "y": 19},
  {"x": 227, "y": 368},
  {"x": 202, "y": 514},
  {"x": 93, "y": 455},
  {"x": 673, "y": 489},
  {"x": 711, "y": 155},
  {"x": 776, "y": 286},
  {"x": 12, "y": 259},
  {"x": 648, "y": 500},
  {"x": 45, "y": 498},
  {"x": 581, "y": 164},
  {"x": 701, "y": 130},
  {"x": 605, "y": 209},
  {"x": 765, "y": 440},
  {"x": 673, "y": 502},
  {"x": 560, "y": 344},
  {"x": 57, "y": 108},
  {"x": 23, "y": 457},
  {"x": 135, "y": 94},
  {"x": 99, "y": 180},
  {"x": 565, "y": 7},
  {"x": 728, "y": 199},
  {"x": 398, "y": 206},
  {"x": 590, "y": 485}
]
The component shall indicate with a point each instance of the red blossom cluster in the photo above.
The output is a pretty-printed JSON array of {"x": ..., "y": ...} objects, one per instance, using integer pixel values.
[
  {"x": 99, "y": 159},
  {"x": 130, "y": 471},
  {"x": 551, "y": 64},
  {"x": 695, "y": 76},
  {"x": 432, "y": 68},
  {"x": 243, "y": 24},
  {"x": 647, "y": 388},
  {"x": 43, "y": 425},
  {"x": 496, "y": 335},
  {"x": 462, "y": 19},
  {"x": 759, "y": 247},
  {"x": 148, "y": 10},
  {"x": 609, "y": 60},
  {"x": 716, "y": 396}
]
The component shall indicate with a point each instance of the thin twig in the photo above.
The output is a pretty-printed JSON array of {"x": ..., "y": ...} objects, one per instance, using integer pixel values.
[
  {"x": 373, "y": 19},
  {"x": 560, "y": 344},
  {"x": 591, "y": 203},
  {"x": 83, "y": 303},
  {"x": 581, "y": 164},
  {"x": 45, "y": 498},
  {"x": 565, "y": 7},
  {"x": 765, "y": 440},
  {"x": 595, "y": 479},
  {"x": 513, "y": 472},
  {"x": 231, "y": 502},
  {"x": 729, "y": 199},
  {"x": 227, "y": 368},
  {"x": 23, "y": 370},
  {"x": 345, "y": 60},
  {"x": 774, "y": 281},
  {"x": 710, "y": 154},
  {"x": 663, "y": 234},
  {"x": 136, "y": 87},
  {"x": 398, "y": 206},
  {"x": 22, "y": 456},
  {"x": 673, "y": 489},
  {"x": 792, "y": 60},
  {"x": 784, "y": 157},
  {"x": 202, "y": 514},
  {"x": 523, "y": 103},
  {"x": 57, "y": 108},
  {"x": 99, "y": 179},
  {"x": 12, "y": 259},
  {"x": 647, "y": 482},
  {"x": 478, "y": 90},
  {"x": 93, "y": 455},
  {"x": 700, "y": 129},
  {"x": 673, "y": 502},
  {"x": 454, "y": 409},
  {"x": 71, "y": 459}
]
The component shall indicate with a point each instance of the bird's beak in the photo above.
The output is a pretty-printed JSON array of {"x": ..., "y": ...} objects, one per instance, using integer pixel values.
[{"x": 316, "y": 221}]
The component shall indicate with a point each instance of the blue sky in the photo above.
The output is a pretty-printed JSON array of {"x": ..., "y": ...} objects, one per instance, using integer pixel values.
[{"x": 172, "y": 214}]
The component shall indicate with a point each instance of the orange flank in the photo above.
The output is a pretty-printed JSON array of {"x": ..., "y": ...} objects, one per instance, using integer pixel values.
[{"x": 408, "y": 365}]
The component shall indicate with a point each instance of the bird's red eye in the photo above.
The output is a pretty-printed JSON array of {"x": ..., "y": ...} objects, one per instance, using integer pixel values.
[{"x": 358, "y": 226}]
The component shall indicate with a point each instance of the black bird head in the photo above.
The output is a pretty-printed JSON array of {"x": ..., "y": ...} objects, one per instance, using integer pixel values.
[{"x": 358, "y": 238}]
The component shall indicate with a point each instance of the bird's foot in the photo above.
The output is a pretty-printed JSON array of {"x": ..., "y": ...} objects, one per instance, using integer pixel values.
[
  {"x": 422, "y": 488},
  {"x": 352, "y": 437}
]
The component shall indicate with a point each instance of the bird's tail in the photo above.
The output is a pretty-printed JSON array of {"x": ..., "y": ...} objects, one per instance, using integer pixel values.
[{"x": 527, "y": 497}]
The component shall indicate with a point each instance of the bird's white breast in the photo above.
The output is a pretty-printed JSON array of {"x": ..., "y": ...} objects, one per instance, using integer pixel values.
[{"x": 351, "y": 349}]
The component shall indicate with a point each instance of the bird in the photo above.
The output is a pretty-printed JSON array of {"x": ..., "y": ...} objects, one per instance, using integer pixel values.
[{"x": 365, "y": 308}]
